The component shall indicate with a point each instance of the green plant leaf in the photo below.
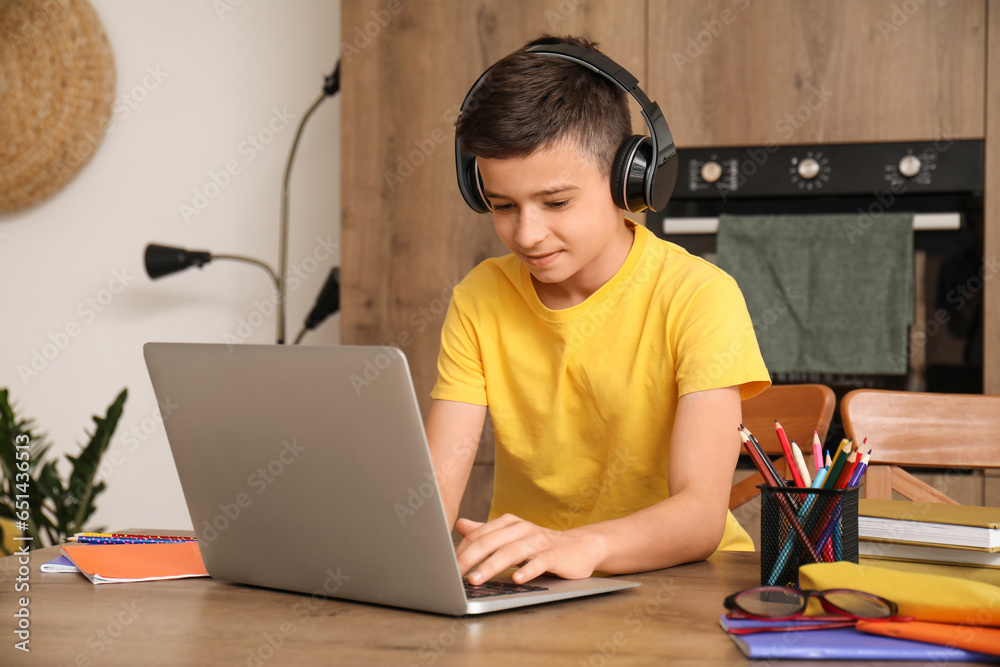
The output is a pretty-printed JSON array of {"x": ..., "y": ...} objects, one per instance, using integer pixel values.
[{"x": 56, "y": 510}]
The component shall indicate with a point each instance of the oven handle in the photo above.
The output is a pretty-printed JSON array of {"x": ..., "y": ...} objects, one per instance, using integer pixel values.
[{"x": 921, "y": 222}]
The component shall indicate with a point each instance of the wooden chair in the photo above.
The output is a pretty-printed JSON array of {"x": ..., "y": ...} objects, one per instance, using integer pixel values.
[
  {"x": 801, "y": 409},
  {"x": 920, "y": 429}
]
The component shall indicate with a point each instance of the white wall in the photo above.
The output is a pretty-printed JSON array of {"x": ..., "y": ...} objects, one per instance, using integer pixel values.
[{"x": 221, "y": 77}]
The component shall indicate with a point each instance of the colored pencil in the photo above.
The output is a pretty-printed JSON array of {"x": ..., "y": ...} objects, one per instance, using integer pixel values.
[
  {"x": 800, "y": 462},
  {"x": 758, "y": 458},
  {"x": 860, "y": 470},
  {"x": 845, "y": 474},
  {"x": 840, "y": 448},
  {"x": 179, "y": 538},
  {"x": 786, "y": 548},
  {"x": 123, "y": 540},
  {"x": 817, "y": 452},
  {"x": 779, "y": 480},
  {"x": 838, "y": 465},
  {"x": 787, "y": 449}
]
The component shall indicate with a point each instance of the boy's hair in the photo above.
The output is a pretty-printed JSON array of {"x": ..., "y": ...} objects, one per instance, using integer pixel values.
[{"x": 531, "y": 100}]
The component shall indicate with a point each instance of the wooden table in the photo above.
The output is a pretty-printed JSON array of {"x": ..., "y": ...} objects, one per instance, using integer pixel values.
[{"x": 672, "y": 618}]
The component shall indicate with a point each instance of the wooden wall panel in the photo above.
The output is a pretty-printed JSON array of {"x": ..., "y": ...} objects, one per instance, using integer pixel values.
[
  {"x": 991, "y": 293},
  {"x": 735, "y": 72},
  {"x": 407, "y": 235}
]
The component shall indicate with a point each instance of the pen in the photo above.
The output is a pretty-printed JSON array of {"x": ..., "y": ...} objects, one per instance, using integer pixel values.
[{"x": 787, "y": 449}]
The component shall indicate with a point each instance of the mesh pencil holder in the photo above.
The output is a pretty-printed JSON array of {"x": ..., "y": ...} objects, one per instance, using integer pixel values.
[{"x": 801, "y": 526}]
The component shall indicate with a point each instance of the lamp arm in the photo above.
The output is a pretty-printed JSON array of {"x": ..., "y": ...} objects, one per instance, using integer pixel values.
[
  {"x": 283, "y": 240},
  {"x": 251, "y": 260}
]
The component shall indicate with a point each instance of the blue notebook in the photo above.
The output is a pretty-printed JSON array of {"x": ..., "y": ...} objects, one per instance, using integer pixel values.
[{"x": 839, "y": 644}]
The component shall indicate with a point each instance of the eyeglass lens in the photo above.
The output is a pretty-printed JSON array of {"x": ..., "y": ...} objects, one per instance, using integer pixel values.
[
  {"x": 776, "y": 602},
  {"x": 859, "y": 605},
  {"x": 781, "y": 602}
]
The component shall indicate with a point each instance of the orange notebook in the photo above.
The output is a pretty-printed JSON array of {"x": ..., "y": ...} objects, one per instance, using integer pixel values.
[
  {"x": 119, "y": 563},
  {"x": 968, "y": 637}
]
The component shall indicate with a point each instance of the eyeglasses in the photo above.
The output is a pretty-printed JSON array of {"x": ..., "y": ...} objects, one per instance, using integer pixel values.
[{"x": 778, "y": 603}]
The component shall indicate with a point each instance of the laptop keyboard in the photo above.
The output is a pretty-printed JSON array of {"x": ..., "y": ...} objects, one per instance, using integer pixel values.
[{"x": 491, "y": 588}]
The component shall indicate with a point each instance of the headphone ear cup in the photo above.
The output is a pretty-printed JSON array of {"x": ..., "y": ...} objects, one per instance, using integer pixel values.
[
  {"x": 476, "y": 181},
  {"x": 628, "y": 173},
  {"x": 470, "y": 184}
]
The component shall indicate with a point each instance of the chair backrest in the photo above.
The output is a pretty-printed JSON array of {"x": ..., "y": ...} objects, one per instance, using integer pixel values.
[
  {"x": 800, "y": 408},
  {"x": 921, "y": 430}
]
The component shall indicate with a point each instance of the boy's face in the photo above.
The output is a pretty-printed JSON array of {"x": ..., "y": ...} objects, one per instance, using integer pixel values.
[{"x": 553, "y": 209}]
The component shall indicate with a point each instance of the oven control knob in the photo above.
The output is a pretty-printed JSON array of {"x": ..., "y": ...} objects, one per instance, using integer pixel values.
[
  {"x": 909, "y": 166},
  {"x": 808, "y": 168},
  {"x": 711, "y": 171}
]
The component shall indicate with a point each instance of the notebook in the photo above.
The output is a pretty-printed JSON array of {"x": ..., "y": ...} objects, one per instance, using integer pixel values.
[
  {"x": 307, "y": 469},
  {"x": 125, "y": 563},
  {"x": 930, "y": 523},
  {"x": 840, "y": 644}
]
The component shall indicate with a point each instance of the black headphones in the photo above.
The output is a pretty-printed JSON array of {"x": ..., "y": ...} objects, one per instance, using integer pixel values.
[{"x": 637, "y": 181}]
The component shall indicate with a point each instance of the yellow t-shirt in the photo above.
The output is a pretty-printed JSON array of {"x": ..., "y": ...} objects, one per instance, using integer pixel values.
[{"x": 583, "y": 399}]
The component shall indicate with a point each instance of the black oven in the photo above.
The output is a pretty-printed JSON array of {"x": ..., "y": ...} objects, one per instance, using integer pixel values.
[{"x": 940, "y": 182}]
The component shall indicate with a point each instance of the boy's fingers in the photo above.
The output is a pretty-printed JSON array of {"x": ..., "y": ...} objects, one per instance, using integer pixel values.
[
  {"x": 498, "y": 548},
  {"x": 476, "y": 530},
  {"x": 509, "y": 555},
  {"x": 483, "y": 542},
  {"x": 466, "y": 526},
  {"x": 533, "y": 568}
]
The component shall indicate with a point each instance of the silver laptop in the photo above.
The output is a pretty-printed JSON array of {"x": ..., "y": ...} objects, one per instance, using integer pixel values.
[{"x": 307, "y": 469}]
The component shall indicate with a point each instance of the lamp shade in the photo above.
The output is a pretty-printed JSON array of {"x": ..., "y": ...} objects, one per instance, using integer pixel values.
[{"x": 163, "y": 260}]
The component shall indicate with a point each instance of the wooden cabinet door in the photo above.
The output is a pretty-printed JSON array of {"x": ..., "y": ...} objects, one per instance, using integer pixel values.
[{"x": 736, "y": 72}]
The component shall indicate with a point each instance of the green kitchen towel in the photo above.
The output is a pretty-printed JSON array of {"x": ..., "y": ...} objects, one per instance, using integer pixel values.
[{"x": 827, "y": 293}]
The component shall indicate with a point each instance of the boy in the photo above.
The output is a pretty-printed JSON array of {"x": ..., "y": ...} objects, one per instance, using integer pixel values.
[{"x": 612, "y": 362}]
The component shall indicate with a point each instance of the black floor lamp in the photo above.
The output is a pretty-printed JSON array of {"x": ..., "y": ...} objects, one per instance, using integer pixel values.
[{"x": 161, "y": 260}]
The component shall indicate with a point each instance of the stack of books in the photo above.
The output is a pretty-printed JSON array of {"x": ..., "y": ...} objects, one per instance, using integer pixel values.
[{"x": 954, "y": 540}]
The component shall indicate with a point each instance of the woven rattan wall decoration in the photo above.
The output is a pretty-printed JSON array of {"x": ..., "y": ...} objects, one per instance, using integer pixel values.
[{"x": 57, "y": 85}]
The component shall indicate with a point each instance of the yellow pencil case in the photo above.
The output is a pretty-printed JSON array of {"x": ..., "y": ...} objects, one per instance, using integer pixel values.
[{"x": 925, "y": 597}]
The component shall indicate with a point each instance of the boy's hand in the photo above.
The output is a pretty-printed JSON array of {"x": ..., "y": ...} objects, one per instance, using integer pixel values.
[{"x": 509, "y": 540}]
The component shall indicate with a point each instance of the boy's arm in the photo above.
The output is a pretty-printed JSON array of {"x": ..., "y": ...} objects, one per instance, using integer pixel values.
[
  {"x": 685, "y": 527},
  {"x": 453, "y": 433}
]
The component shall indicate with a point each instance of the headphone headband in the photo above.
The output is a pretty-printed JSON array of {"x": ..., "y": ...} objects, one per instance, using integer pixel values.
[{"x": 657, "y": 179}]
